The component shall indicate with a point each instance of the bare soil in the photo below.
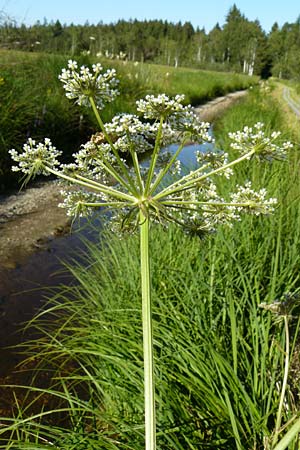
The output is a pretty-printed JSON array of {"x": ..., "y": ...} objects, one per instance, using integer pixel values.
[
  {"x": 212, "y": 110},
  {"x": 28, "y": 219}
]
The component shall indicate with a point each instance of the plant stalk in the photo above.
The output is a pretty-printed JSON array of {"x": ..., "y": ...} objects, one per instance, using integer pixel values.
[
  {"x": 115, "y": 152},
  {"x": 149, "y": 387},
  {"x": 284, "y": 382}
]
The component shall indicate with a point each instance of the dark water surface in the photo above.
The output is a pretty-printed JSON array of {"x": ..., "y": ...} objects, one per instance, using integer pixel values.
[{"x": 26, "y": 288}]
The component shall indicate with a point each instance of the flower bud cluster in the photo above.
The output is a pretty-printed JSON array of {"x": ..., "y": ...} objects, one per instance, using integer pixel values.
[
  {"x": 155, "y": 107},
  {"x": 76, "y": 202},
  {"x": 130, "y": 134},
  {"x": 251, "y": 201},
  {"x": 35, "y": 157},
  {"x": 85, "y": 84},
  {"x": 254, "y": 138},
  {"x": 186, "y": 122},
  {"x": 213, "y": 212},
  {"x": 214, "y": 160},
  {"x": 202, "y": 209},
  {"x": 128, "y": 123},
  {"x": 92, "y": 157}
]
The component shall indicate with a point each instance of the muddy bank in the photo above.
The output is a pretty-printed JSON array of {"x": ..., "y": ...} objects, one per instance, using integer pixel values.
[
  {"x": 28, "y": 219},
  {"x": 25, "y": 288},
  {"x": 212, "y": 110}
]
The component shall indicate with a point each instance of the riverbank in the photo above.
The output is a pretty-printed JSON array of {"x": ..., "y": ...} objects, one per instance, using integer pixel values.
[
  {"x": 28, "y": 219},
  {"x": 210, "y": 111}
]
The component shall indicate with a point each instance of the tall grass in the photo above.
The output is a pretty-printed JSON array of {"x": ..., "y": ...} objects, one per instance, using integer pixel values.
[
  {"x": 31, "y": 104},
  {"x": 218, "y": 357}
]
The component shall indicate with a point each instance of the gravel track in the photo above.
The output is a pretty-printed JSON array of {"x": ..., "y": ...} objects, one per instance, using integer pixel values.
[{"x": 293, "y": 104}]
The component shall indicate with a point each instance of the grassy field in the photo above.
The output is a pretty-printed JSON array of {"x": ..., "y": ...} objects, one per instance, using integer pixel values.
[
  {"x": 198, "y": 86},
  {"x": 219, "y": 357},
  {"x": 32, "y": 102}
]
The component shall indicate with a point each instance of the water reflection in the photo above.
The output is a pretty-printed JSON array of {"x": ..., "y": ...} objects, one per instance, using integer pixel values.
[
  {"x": 25, "y": 289},
  {"x": 188, "y": 154}
]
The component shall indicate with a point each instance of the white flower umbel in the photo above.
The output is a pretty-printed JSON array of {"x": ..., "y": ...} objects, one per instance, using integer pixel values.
[
  {"x": 155, "y": 107},
  {"x": 141, "y": 194},
  {"x": 128, "y": 123},
  {"x": 35, "y": 156},
  {"x": 77, "y": 202},
  {"x": 252, "y": 202},
  {"x": 186, "y": 122},
  {"x": 264, "y": 146},
  {"x": 214, "y": 160},
  {"x": 81, "y": 86}
]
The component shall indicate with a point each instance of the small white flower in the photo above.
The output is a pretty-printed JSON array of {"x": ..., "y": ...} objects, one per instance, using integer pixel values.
[
  {"x": 35, "y": 157},
  {"x": 83, "y": 85},
  {"x": 256, "y": 139},
  {"x": 72, "y": 65},
  {"x": 155, "y": 107}
]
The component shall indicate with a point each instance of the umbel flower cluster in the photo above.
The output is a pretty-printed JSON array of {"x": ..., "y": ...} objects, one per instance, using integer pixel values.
[
  {"x": 84, "y": 84},
  {"x": 112, "y": 170}
]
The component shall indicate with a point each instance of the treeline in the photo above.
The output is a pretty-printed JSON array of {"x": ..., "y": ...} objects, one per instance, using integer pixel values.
[{"x": 239, "y": 45}]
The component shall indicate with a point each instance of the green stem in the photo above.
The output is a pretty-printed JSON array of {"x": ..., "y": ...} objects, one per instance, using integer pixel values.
[
  {"x": 106, "y": 204},
  {"x": 191, "y": 178},
  {"x": 135, "y": 161},
  {"x": 110, "y": 169},
  {"x": 213, "y": 252},
  {"x": 168, "y": 166},
  {"x": 115, "y": 152},
  {"x": 149, "y": 387},
  {"x": 284, "y": 382},
  {"x": 186, "y": 177},
  {"x": 154, "y": 156},
  {"x": 212, "y": 203},
  {"x": 81, "y": 181}
]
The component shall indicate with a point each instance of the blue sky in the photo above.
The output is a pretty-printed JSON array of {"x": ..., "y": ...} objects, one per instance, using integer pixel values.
[{"x": 199, "y": 12}]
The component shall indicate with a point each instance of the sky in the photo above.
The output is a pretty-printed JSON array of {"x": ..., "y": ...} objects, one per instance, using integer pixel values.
[{"x": 199, "y": 12}]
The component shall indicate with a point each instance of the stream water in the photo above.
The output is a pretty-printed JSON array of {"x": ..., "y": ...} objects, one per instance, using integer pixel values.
[{"x": 24, "y": 290}]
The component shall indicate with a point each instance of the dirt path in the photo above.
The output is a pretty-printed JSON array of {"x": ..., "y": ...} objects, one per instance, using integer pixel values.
[
  {"x": 293, "y": 104},
  {"x": 31, "y": 217},
  {"x": 289, "y": 106}
]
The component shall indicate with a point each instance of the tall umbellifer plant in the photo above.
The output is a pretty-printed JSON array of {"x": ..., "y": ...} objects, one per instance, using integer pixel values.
[{"x": 136, "y": 194}]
